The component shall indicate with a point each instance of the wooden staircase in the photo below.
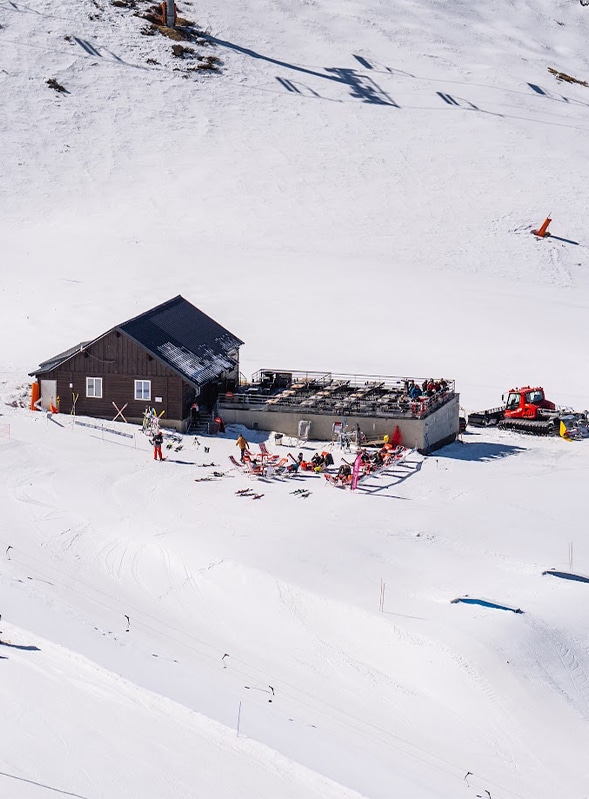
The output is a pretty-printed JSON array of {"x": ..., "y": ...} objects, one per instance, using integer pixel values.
[{"x": 200, "y": 425}]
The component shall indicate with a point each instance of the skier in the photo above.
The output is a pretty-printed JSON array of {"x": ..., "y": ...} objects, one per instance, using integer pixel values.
[
  {"x": 243, "y": 446},
  {"x": 158, "y": 440}
]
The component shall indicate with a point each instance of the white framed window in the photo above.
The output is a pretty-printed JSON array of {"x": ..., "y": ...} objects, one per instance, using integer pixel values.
[
  {"x": 94, "y": 387},
  {"x": 143, "y": 389}
]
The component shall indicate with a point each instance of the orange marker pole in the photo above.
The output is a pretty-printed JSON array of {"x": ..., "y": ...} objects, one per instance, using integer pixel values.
[
  {"x": 35, "y": 394},
  {"x": 542, "y": 230}
]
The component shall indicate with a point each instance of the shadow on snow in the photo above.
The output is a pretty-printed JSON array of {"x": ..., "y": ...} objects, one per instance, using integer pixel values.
[{"x": 478, "y": 451}]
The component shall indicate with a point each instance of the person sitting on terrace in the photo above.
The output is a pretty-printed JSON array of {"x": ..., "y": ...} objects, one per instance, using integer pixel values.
[
  {"x": 294, "y": 467},
  {"x": 386, "y": 454},
  {"x": 377, "y": 459},
  {"x": 317, "y": 460},
  {"x": 344, "y": 472},
  {"x": 414, "y": 391},
  {"x": 366, "y": 462},
  {"x": 321, "y": 460}
]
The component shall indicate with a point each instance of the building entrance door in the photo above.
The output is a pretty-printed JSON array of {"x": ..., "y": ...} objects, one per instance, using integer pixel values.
[{"x": 48, "y": 393}]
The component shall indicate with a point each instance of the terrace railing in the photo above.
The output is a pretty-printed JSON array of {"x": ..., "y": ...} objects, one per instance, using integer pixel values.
[{"x": 336, "y": 394}]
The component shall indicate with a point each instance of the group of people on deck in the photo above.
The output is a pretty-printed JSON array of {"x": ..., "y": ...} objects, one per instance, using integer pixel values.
[
  {"x": 319, "y": 462},
  {"x": 370, "y": 462},
  {"x": 428, "y": 388}
]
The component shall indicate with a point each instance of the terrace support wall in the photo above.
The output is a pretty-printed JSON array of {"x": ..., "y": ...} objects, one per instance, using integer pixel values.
[{"x": 425, "y": 435}]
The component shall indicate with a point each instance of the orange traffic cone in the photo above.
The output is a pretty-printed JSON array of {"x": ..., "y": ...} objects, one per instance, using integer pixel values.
[{"x": 543, "y": 229}]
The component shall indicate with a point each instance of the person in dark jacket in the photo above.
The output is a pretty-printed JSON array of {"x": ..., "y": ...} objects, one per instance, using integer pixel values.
[
  {"x": 344, "y": 472},
  {"x": 318, "y": 461},
  {"x": 158, "y": 440}
]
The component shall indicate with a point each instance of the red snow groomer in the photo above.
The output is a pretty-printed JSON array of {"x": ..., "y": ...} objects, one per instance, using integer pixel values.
[{"x": 528, "y": 411}]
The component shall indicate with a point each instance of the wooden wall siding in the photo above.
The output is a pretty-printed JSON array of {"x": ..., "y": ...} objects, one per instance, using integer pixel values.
[
  {"x": 119, "y": 361},
  {"x": 116, "y": 353}
]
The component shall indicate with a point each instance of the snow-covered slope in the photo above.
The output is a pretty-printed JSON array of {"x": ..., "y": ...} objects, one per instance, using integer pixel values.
[
  {"x": 267, "y": 611},
  {"x": 383, "y": 162},
  {"x": 74, "y": 729},
  {"x": 353, "y": 190}
]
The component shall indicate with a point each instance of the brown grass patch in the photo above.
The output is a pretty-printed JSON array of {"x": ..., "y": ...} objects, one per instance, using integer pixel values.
[
  {"x": 206, "y": 63},
  {"x": 176, "y": 34},
  {"x": 181, "y": 52},
  {"x": 562, "y": 76}
]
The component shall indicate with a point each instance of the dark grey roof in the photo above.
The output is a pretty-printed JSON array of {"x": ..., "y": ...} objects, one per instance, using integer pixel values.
[
  {"x": 178, "y": 334},
  {"x": 57, "y": 360},
  {"x": 186, "y": 339}
]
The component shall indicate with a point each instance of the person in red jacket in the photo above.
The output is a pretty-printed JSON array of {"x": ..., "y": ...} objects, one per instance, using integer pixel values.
[{"x": 158, "y": 440}]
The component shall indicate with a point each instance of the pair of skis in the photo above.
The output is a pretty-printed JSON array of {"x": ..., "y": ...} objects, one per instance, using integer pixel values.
[
  {"x": 211, "y": 477},
  {"x": 302, "y": 492},
  {"x": 248, "y": 492}
]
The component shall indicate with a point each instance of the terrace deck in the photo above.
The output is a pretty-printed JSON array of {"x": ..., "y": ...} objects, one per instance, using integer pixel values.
[{"x": 338, "y": 395}]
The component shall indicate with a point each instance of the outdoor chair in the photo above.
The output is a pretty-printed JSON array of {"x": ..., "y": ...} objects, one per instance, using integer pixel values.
[
  {"x": 265, "y": 454},
  {"x": 253, "y": 469}
]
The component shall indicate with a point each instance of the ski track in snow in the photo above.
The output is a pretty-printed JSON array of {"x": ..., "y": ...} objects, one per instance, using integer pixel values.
[
  {"x": 150, "y": 566},
  {"x": 573, "y": 681}
]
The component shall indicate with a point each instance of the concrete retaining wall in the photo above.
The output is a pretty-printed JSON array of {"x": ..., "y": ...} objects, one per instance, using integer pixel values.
[{"x": 435, "y": 430}]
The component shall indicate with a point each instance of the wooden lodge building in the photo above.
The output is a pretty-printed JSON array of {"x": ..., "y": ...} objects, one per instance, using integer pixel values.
[
  {"x": 167, "y": 358},
  {"x": 174, "y": 355}
]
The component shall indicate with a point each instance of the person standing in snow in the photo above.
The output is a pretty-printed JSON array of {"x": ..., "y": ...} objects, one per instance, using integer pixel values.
[
  {"x": 158, "y": 440},
  {"x": 243, "y": 446}
]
